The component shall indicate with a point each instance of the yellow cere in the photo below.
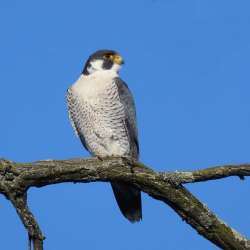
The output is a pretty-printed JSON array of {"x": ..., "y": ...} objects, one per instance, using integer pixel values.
[{"x": 117, "y": 59}]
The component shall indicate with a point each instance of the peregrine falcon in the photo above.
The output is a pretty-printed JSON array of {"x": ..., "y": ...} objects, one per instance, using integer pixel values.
[{"x": 102, "y": 112}]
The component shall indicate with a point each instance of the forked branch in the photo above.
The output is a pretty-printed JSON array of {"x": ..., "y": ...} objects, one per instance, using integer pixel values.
[{"x": 17, "y": 178}]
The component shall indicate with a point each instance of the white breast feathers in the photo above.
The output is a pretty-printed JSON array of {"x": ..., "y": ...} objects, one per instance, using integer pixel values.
[{"x": 98, "y": 115}]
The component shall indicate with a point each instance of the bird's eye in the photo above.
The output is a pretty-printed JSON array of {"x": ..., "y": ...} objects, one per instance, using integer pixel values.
[{"x": 107, "y": 56}]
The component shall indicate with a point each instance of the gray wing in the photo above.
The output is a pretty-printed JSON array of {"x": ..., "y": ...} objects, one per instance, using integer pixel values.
[
  {"x": 127, "y": 101},
  {"x": 74, "y": 116}
]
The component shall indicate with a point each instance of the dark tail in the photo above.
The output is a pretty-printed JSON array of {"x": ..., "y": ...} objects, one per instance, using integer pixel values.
[{"x": 129, "y": 200}]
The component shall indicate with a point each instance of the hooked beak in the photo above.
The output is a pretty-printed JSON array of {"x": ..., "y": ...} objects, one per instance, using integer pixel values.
[{"x": 118, "y": 59}]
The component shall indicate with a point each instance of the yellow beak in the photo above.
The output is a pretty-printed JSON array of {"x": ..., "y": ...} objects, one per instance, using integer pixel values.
[{"x": 118, "y": 59}]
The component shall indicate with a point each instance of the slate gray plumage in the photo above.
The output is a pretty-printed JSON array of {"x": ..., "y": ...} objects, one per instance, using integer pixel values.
[{"x": 102, "y": 112}]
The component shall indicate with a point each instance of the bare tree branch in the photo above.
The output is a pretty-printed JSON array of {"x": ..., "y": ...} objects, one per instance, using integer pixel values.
[
  {"x": 17, "y": 178},
  {"x": 208, "y": 174},
  {"x": 20, "y": 203}
]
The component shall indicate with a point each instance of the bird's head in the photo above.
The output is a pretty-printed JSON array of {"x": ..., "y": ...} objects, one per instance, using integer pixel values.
[{"x": 103, "y": 60}]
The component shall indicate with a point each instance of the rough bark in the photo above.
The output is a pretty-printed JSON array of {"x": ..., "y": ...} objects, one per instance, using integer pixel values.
[{"x": 17, "y": 178}]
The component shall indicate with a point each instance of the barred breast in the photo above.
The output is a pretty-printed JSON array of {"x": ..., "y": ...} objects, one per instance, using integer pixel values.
[{"x": 98, "y": 116}]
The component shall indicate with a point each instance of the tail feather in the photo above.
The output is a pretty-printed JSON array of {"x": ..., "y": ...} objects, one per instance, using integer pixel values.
[{"x": 129, "y": 200}]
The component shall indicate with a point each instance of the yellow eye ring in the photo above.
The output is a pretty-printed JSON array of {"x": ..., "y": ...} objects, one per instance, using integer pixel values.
[{"x": 114, "y": 58}]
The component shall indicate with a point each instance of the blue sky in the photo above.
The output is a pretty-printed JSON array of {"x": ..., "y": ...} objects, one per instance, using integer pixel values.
[{"x": 187, "y": 63}]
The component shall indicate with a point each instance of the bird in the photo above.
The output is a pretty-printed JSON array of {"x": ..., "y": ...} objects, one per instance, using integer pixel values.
[{"x": 102, "y": 112}]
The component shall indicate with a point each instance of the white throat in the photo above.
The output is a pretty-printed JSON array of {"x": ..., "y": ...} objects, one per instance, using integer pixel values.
[{"x": 96, "y": 66}]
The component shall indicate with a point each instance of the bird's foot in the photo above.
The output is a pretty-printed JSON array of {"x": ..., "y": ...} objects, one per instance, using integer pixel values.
[{"x": 129, "y": 162}]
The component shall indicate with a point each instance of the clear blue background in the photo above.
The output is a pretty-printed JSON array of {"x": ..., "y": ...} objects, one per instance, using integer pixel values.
[{"x": 187, "y": 63}]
